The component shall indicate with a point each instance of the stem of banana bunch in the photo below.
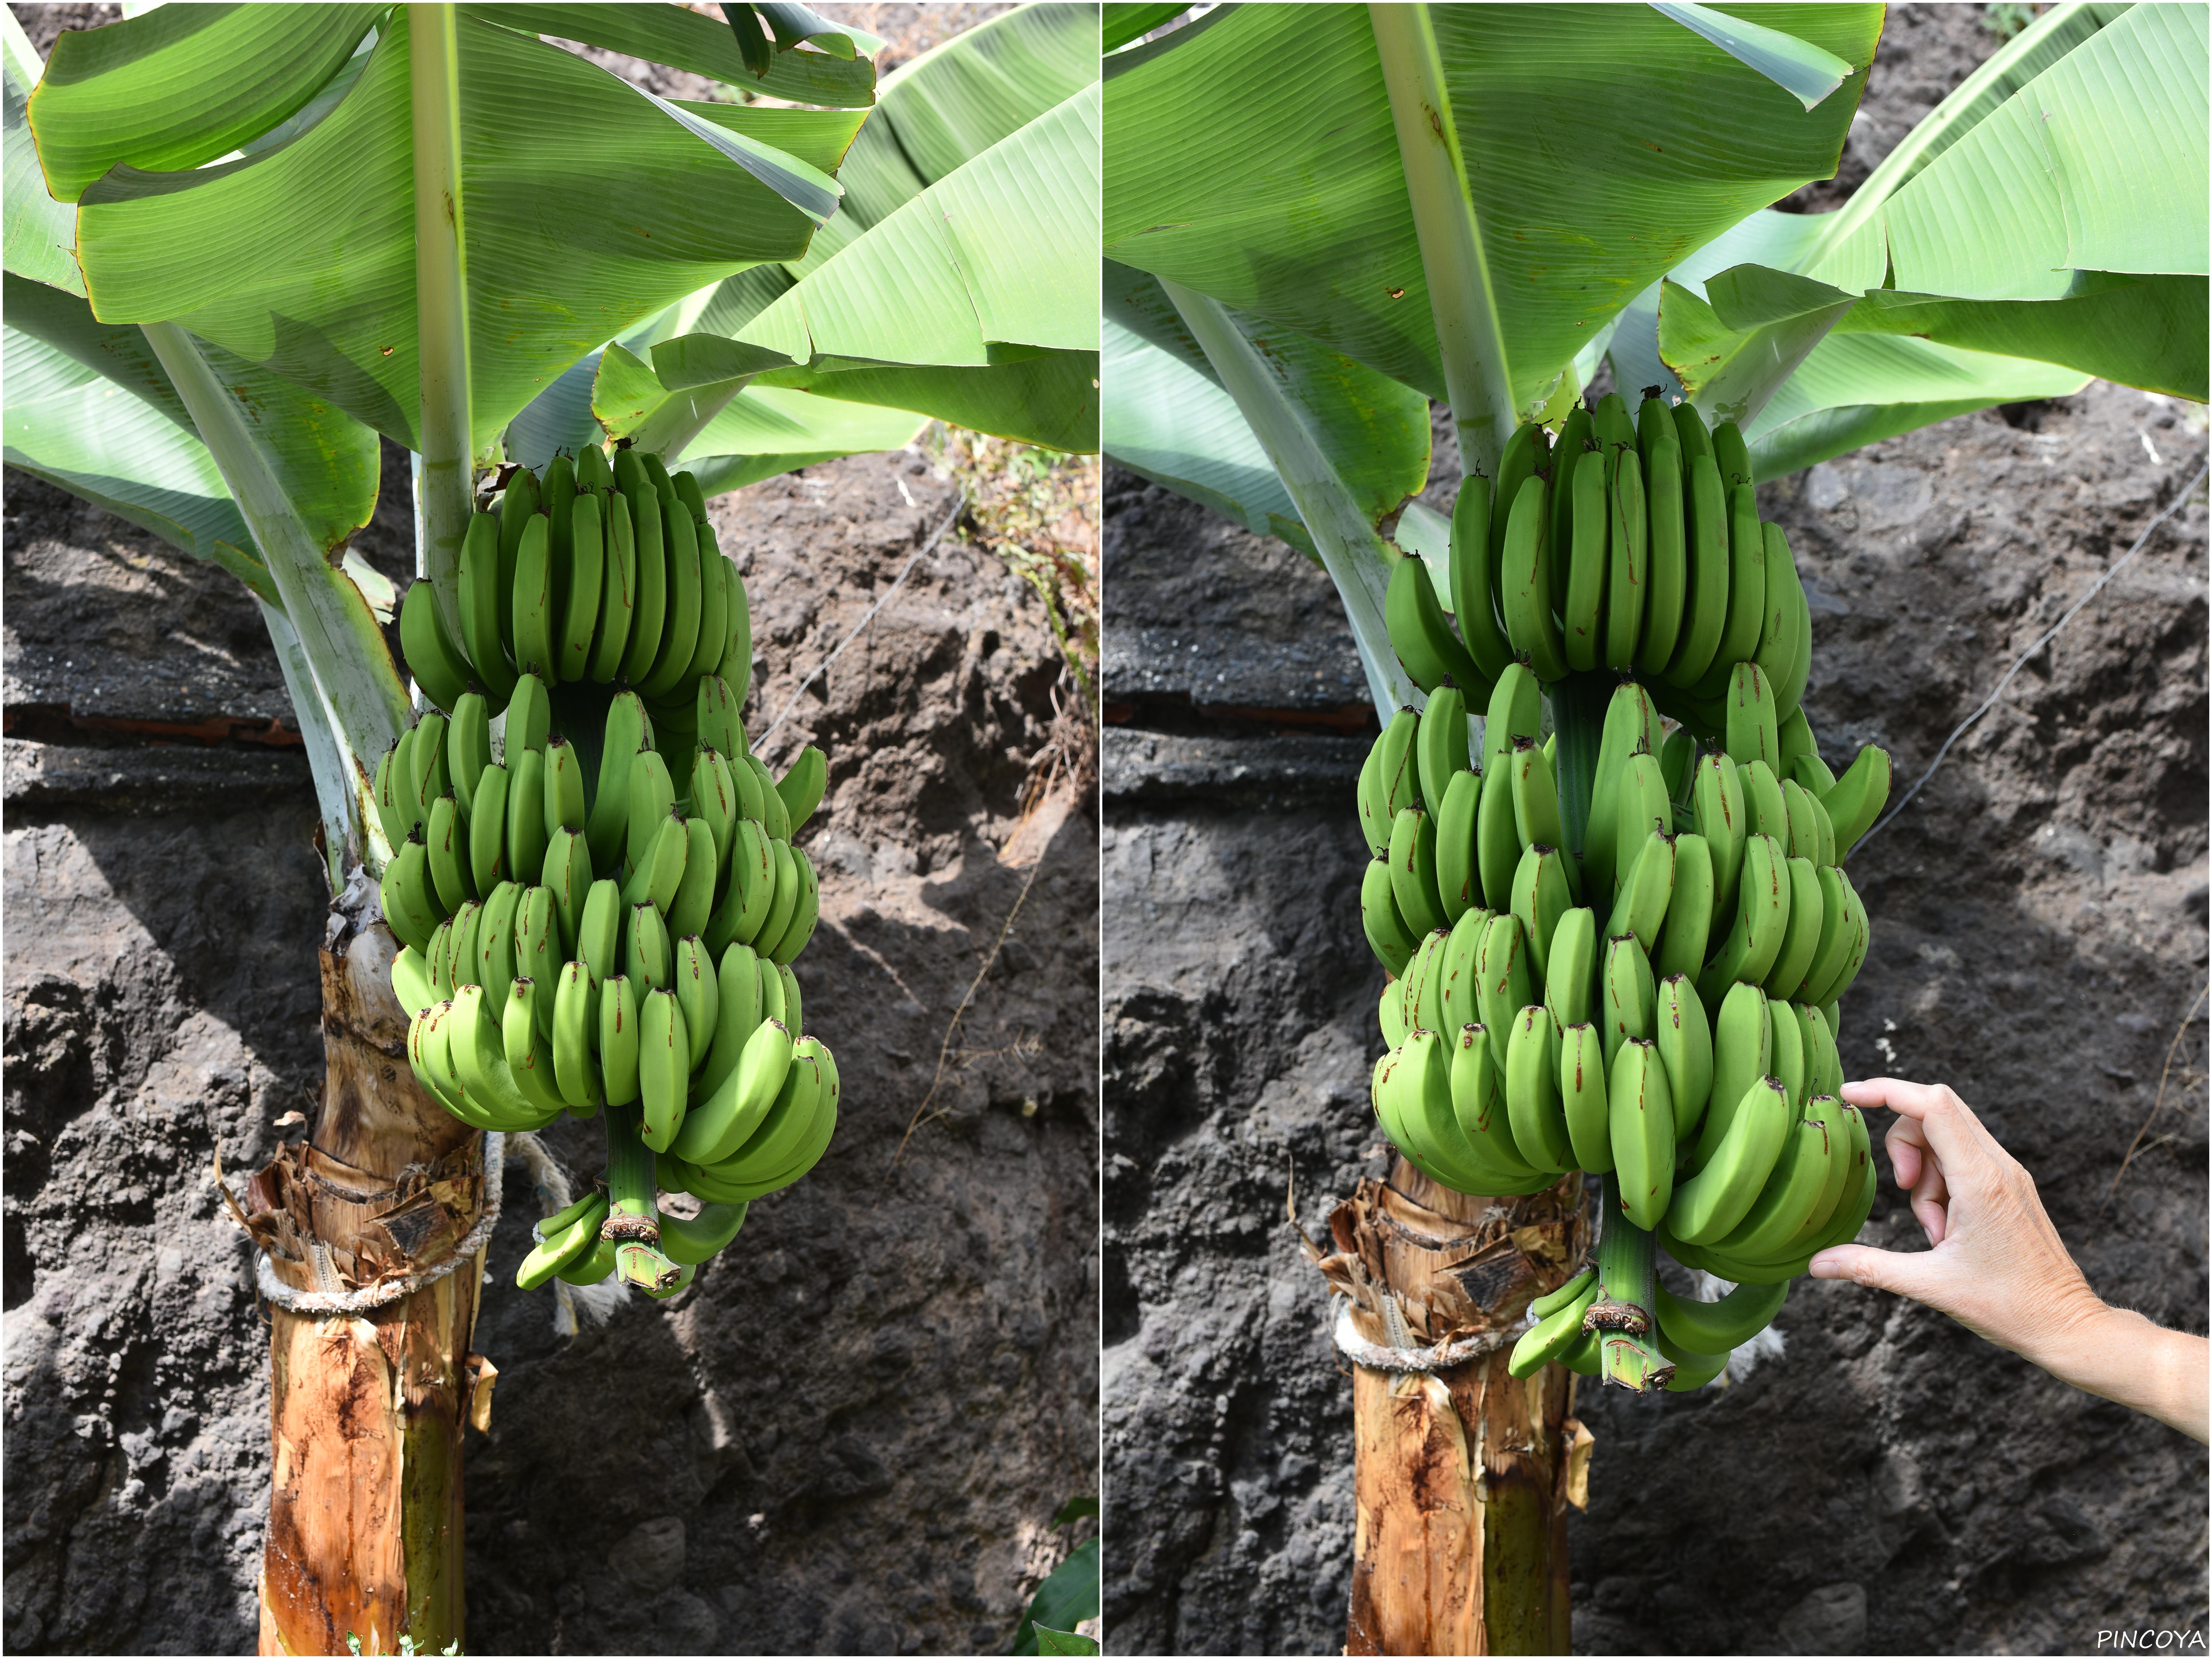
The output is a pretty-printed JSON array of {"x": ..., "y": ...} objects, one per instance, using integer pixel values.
[
  {"x": 1628, "y": 1353},
  {"x": 1578, "y": 705}
]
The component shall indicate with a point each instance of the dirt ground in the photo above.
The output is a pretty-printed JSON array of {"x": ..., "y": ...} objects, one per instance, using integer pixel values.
[
  {"x": 851, "y": 1434},
  {"x": 1889, "y": 1484}
]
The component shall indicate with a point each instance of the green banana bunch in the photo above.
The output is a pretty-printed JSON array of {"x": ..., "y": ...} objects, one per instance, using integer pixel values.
[{"x": 596, "y": 893}]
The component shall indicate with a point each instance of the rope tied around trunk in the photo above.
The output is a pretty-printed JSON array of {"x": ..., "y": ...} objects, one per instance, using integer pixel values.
[{"x": 329, "y": 1302}]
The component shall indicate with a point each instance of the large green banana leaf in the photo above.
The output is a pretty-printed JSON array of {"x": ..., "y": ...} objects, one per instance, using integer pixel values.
[
  {"x": 2083, "y": 138},
  {"x": 562, "y": 244},
  {"x": 1252, "y": 154},
  {"x": 957, "y": 279}
]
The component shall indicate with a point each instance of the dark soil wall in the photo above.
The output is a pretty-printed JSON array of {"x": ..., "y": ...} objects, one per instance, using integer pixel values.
[
  {"x": 851, "y": 1434},
  {"x": 1890, "y": 1483}
]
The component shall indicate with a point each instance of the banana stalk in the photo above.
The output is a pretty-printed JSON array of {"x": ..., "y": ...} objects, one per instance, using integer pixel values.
[{"x": 1628, "y": 1351}]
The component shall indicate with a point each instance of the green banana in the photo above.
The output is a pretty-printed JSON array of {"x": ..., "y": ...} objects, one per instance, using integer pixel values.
[
  {"x": 600, "y": 931},
  {"x": 1690, "y": 428},
  {"x": 1628, "y": 567},
  {"x": 1687, "y": 929},
  {"x": 448, "y": 855},
  {"x": 1570, "y": 967},
  {"x": 714, "y": 597},
  {"x": 1776, "y": 651},
  {"x": 1717, "y": 1327},
  {"x": 1417, "y": 992},
  {"x": 427, "y": 774},
  {"x": 1401, "y": 768},
  {"x": 645, "y": 954},
  {"x": 1457, "y": 971},
  {"x": 1553, "y": 1335},
  {"x": 1706, "y": 608},
  {"x": 484, "y": 602},
  {"x": 564, "y": 785},
  {"x": 567, "y": 874},
  {"x": 617, "y": 591},
  {"x": 529, "y": 717},
  {"x": 1787, "y": 1201},
  {"x": 1743, "y": 1046},
  {"x": 1390, "y": 1013},
  {"x": 1583, "y": 1091},
  {"x": 1628, "y": 993},
  {"x": 1746, "y": 604},
  {"x": 574, "y": 1072},
  {"x": 1541, "y": 898},
  {"x": 1685, "y": 1040},
  {"x": 652, "y": 802},
  {"x": 691, "y": 906},
  {"x": 1419, "y": 632},
  {"x": 650, "y": 614},
  {"x": 1474, "y": 603},
  {"x": 1534, "y": 1104},
  {"x": 439, "y": 666},
  {"x": 690, "y": 1241},
  {"x": 618, "y": 1041},
  {"x": 1374, "y": 821},
  {"x": 1502, "y": 981},
  {"x": 1536, "y": 807},
  {"x": 525, "y": 814},
  {"x": 698, "y": 994},
  {"x": 1516, "y": 709},
  {"x": 607, "y": 826},
  {"x": 1732, "y": 455},
  {"x": 1414, "y": 871},
  {"x": 529, "y": 1058},
  {"x": 1711, "y": 1203},
  {"x": 1629, "y": 721},
  {"x": 1440, "y": 744},
  {"x": 537, "y": 954},
  {"x": 410, "y": 977},
  {"x": 1752, "y": 734},
  {"x": 1582, "y": 608},
  {"x": 1413, "y": 1102},
  {"x": 785, "y": 903},
  {"x": 1459, "y": 875},
  {"x": 1496, "y": 839},
  {"x": 584, "y": 587},
  {"x": 1640, "y": 1122},
  {"x": 679, "y": 627},
  {"x": 1824, "y": 1065},
  {"x": 1668, "y": 555},
  {"x": 657, "y": 867},
  {"x": 462, "y": 955},
  {"x": 749, "y": 890},
  {"x": 1857, "y": 798},
  {"x": 1525, "y": 451},
  {"x": 1479, "y": 1108},
  {"x": 1790, "y": 609},
  {"x": 800, "y": 788},
  {"x": 1860, "y": 935},
  {"x": 1393, "y": 942},
  {"x": 468, "y": 746},
  {"x": 595, "y": 1266},
  {"x": 518, "y": 503},
  {"x": 738, "y": 1013},
  {"x": 562, "y": 1248},
  {"x": 805, "y": 918},
  {"x": 1761, "y": 924},
  {"x": 1641, "y": 807},
  {"x": 1803, "y": 841},
  {"x": 1717, "y": 808},
  {"x": 1568, "y": 451},
  {"x": 409, "y": 899},
  {"x": 494, "y": 967},
  {"x": 533, "y": 606},
  {"x": 1527, "y": 588},
  {"x": 1646, "y": 892},
  {"x": 1677, "y": 756},
  {"x": 1807, "y": 914},
  {"x": 763, "y": 1152},
  {"x": 664, "y": 1069}
]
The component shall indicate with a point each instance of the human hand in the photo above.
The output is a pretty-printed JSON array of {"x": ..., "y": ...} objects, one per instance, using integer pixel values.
[
  {"x": 1994, "y": 1264},
  {"x": 1997, "y": 1265}
]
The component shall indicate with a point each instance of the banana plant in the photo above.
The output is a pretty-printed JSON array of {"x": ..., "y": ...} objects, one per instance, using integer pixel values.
[
  {"x": 1320, "y": 218},
  {"x": 244, "y": 244}
]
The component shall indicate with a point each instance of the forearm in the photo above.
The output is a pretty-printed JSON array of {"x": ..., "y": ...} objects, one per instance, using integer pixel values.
[{"x": 2125, "y": 1358}]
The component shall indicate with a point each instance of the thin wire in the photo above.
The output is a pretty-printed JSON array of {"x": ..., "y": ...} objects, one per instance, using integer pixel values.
[
  {"x": 1989, "y": 701},
  {"x": 920, "y": 553}
]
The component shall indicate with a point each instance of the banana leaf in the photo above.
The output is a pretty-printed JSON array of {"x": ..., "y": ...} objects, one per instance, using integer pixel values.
[
  {"x": 958, "y": 279},
  {"x": 653, "y": 209}
]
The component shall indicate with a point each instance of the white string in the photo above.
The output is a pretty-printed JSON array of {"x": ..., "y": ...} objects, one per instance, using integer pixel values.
[
  {"x": 922, "y": 553},
  {"x": 1989, "y": 701},
  {"x": 377, "y": 1296}
]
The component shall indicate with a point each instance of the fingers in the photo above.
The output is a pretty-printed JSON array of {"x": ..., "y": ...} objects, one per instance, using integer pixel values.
[
  {"x": 1906, "y": 1152},
  {"x": 1931, "y": 1202},
  {"x": 1881, "y": 1270},
  {"x": 1948, "y": 1125}
]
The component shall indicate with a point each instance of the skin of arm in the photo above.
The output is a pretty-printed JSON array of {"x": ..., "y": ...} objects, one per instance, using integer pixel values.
[{"x": 1997, "y": 1265}]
